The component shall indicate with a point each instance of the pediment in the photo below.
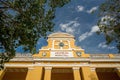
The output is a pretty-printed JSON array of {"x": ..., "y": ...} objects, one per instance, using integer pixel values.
[{"x": 60, "y": 35}]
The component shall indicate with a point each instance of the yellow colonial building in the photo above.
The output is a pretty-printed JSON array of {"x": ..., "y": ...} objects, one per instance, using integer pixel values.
[{"x": 61, "y": 59}]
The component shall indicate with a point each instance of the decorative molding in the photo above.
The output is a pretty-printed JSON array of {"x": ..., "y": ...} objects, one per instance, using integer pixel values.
[
  {"x": 105, "y": 65},
  {"x": 19, "y": 65},
  {"x": 62, "y": 49},
  {"x": 48, "y": 68},
  {"x": 76, "y": 68},
  {"x": 45, "y": 65},
  {"x": 61, "y": 65},
  {"x": 61, "y": 35},
  {"x": 64, "y": 65},
  {"x": 23, "y": 55},
  {"x": 22, "y": 59},
  {"x": 31, "y": 68},
  {"x": 62, "y": 59},
  {"x": 93, "y": 68},
  {"x": 60, "y": 40},
  {"x": 104, "y": 60}
]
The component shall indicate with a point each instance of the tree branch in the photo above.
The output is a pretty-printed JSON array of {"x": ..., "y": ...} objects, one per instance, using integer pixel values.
[{"x": 8, "y": 5}]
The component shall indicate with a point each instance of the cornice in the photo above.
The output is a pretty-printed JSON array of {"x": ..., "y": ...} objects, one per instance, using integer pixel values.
[{"x": 65, "y": 59}]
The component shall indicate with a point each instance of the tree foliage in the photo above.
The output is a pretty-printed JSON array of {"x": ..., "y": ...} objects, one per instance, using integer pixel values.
[
  {"x": 23, "y": 22},
  {"x": 109, "y": 22}
]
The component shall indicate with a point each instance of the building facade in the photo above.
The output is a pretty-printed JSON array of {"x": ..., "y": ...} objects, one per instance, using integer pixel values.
[{"x": 61, "y": 59}]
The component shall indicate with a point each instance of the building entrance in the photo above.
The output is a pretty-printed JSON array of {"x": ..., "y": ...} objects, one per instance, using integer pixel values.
[
  {"x": 62, "y": 74},
  {"x": 107, "y": 74},
  {"x": 15, "y": 74}
]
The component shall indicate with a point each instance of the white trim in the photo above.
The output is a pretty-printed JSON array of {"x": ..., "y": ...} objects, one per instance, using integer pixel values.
[
  {"x": 60, "y": 40},
  {"x": 53, "y": 35},
  {"x": 93, "y": 69},
  {"x": 104, "y": 60},
  {"x": 31, "y": 68},
  {"x": 61, "y": 49},
  {"x": 62, "y": 59},
  {"x": 22, "y": 59},
  {"x": 31, "y": 59},
  {"x": 62, "y": 65},
  {"x": 93, "y": 66},
  {"x": 48, "y": 68},
  {"x": 76, "y": 68},
  {"x": 105, "y": 65},
  {"x": 19, "y": 65},
  {"x": 46, "y": 65}
]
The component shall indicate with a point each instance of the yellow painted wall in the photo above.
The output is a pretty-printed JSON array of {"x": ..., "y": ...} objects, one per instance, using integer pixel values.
[
  {"x": 53, "y": 43},
  {"x": 77, "y": 75},
  {"x": 111, "y": 55},
  {"x": 34, "y": 73},
  {"x": 93, "y": 75},
  {"x": 49, "y": 43},
  {"x": 86, "y": 73},
  {"x": 47, "y": 75}
]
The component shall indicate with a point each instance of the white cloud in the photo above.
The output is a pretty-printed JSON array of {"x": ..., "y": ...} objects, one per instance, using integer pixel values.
[
  {"x": 103, "y": 45},
  {"x": 83, "y": 36},
  {"x": 80, "y": 8},
  {"x": 88, "y": 34},
  {"x": 94, "y": 29},
  {"x": 92, "y": 9},
  {"x": 69, "y": 27}
]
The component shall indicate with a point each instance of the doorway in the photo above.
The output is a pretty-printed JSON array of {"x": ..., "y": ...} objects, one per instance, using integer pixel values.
[
  {"x": 15, "y": 74},
  {"x": 107, "y": 74},
  {"x": 62, "y": 74}
]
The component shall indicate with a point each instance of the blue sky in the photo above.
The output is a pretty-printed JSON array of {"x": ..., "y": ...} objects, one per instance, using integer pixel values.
[{"x": 79, "y": 18}]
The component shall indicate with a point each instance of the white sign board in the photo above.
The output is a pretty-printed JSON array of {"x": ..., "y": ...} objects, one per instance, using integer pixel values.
[{"x": 61, "y": 54}]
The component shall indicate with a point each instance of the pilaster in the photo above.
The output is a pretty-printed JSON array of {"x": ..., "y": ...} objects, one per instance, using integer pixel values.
[
  {"x": 86, "y": 73},
  {"x": 47, "y": 75},
  {"x": 94, "y": 74},
  {"x": 34, "y": 73},
  {"x": 76, "y": 72}
]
